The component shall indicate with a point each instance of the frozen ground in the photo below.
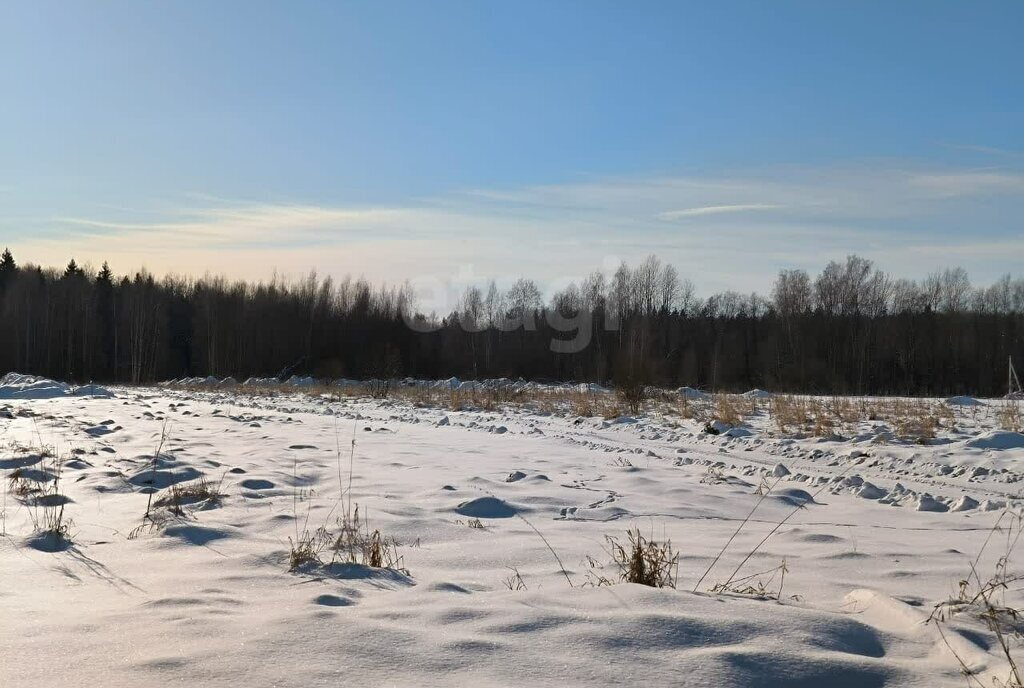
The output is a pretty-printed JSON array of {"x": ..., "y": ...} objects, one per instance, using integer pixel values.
[{"x": 886, "y": 531}]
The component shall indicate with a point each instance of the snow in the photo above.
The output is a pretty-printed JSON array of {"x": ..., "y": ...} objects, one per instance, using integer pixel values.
[
  {"x": 18, "y": 386},
  {"x": 874, "y": 534},
  {"x": 997, "y": 439},
  {"x": 964, "y": 401},
  {"x": 691, "y": 393}
]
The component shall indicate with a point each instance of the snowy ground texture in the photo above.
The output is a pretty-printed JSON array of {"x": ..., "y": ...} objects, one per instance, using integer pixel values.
[{"x": 878, "y": 532}]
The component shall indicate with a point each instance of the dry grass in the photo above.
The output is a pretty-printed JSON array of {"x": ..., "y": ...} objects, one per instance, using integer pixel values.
[
  {"x": 39, "y": 489},
  {"x": 760, "y": 585},
  {"x": 306, "y": 548},
  {"x": 687, "y": 408},
  {"x": 202, "y": 493},
  {"x": 591, "y": 404},
  {"x": 727, "y": 410},
  {"x": 350, "y": 542},
  {"x": 914, "y": 420},
  {"x": 1009, "y": 416},
  {"x": 643, "y": 561},
  {"x": 354, "y": 543},
  {"x": 462, "y": 399},
  {"x": 985, "y": 600},
  {"x": 514, "y": 581},
  {"x": 789, "y": 413},
  {"x": 810, "y": 416},
  {"x": 846, "y": 410},
  {"x": 555, "y": 401},
  {"x": 349, "y": 539},
  {"x": 20, "y": 485}
]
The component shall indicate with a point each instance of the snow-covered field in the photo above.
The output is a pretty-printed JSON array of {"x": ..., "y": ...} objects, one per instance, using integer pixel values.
[{"x": 875, "y": 532}]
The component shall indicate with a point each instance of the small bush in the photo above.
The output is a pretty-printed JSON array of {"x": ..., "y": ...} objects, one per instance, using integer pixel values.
[{"x": 632, "y": 393}]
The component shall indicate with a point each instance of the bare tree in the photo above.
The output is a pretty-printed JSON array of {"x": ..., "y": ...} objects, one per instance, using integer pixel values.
[
  {"x": 668, "y": 288},
  {"x": 948, "y": 291},
  {"x": 792, "y": 294},
  {"x": 645, "y": 280}
]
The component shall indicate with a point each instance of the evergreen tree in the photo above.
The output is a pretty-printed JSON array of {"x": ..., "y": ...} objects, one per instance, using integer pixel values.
[
  {"x": 7, "y": 264},
  {"x": 8, "y": 268}
]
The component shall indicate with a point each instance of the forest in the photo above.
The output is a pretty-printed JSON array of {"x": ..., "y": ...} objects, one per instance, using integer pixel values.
[{"x": 849, "y": 329}]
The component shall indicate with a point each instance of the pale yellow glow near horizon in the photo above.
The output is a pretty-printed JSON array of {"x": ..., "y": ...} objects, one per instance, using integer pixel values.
[{"x": 723, "y": 233}]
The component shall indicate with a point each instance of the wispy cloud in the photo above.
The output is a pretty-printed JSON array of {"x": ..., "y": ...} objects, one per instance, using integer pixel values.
[
  {"x": 226, "y": 227},
  {"x": 727, "y": 231},
  {"x": 974, "y": 183},
  {"x": 716, "y": 210}
]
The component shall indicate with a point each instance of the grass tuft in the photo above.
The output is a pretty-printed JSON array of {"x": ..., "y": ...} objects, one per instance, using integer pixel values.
[
  {"x": 198, "y": 492},
  {"x": 642, "y": 561}
]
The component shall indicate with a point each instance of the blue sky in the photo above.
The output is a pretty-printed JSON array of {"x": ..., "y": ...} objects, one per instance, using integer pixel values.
[{"x": 470, "y": 140}]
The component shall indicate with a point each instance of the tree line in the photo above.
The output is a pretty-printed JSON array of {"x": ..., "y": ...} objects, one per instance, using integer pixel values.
[{"x": 849, "y": 329}]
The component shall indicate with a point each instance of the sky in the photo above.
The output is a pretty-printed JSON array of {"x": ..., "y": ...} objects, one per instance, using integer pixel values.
[{"x": 475, "y": 140}]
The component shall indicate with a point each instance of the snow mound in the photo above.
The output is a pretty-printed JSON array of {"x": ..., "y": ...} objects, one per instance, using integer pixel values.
[
  {"x": 870, "y": 491},
  {"x": 965, "y": 503},
  {"x": 716, "y": 427},
  {"x": 486, "y": 507},
  {"x": 691, "y": 393},
  {"x": 591, "y": 388},
  {"x": 925, "y": 502},
  {"x": 997, "y": 439},
  {"x": 794, "y": 496},
  {"x": 18, "y": 386},
  {"x": 964, "y": 401},
  {"x": 758, "y": 394},
  {"x": 92, "y": 391}
]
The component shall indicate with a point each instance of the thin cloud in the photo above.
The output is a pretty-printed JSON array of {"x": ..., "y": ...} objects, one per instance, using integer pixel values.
[
  {"x": 972, "y": 183},
  {"x": 909, "y": 220},
  {"x": 717, "y": 210}
]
